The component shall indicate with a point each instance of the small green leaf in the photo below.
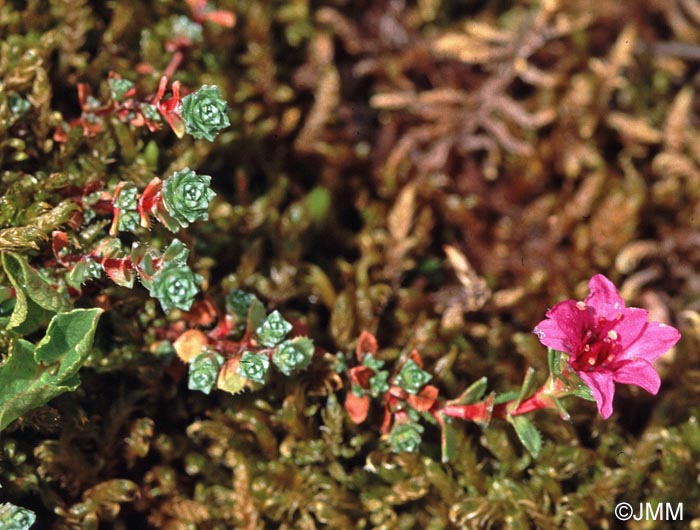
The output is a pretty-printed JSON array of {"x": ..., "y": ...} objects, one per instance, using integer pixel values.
[
  {"x": 18, "y": 105},
  {"x": 555, "y": 359},
  {"x": 176, "y": 252},
  {"x": 528, "y": 434},
  {"x": 563, "y": 413},
  {"x": 204, "y": 370},
  {"x": 358, "y": 390},
  {"x": 84, "y": 270},
  {"x": 119, "y": 87},
  {"x": 575, "y": 386},
  {"x": 186, "y": 196},
  {"x": 15, "y": 517},
  {"x": 579, "y": 389},
  {"x": 256, "y": 315},
  {"x": 372, "y": 362},
  {"x": 318, "y": 202},
  {"x": 505, "y": 397},
  {"x": 528, "y": 387},
  {"x": 273, "y": 330},
  {"x": 473, "y": 393},
  {"x": 238, "y": 302},
  {"x": 448, "y": 439},
  {"x": 32, "y": 376}
]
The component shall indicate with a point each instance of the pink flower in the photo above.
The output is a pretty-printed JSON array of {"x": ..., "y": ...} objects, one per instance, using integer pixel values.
[{"x": 607, "y": 342}]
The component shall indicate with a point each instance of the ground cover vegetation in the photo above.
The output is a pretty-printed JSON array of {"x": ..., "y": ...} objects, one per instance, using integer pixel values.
[{"x": 347, "y": 264}]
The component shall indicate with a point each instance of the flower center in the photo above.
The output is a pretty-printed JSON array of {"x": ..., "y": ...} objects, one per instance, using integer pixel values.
[{"x": 601, "y": 344}]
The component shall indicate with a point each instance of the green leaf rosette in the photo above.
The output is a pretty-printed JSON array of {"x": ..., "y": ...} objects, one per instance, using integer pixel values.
[
  {"x": 187, "y": 195},
  {"x": 293, "y": 354},
  {"x": 204, "y": 370},
  {"x": 175, "y": 285},
  {"x": 379, "y": 383},
  {"x": 118, "y": 87},
  {"x": 15, "y": 517},
  {"x": 406, "y": 437},
  {"x": 205, "y": 113},
  {"x": 238, "y": 302},
  {"x": 273, "y": 330},
  {"x": 411, "y": 378},
  {"x": 254, "y": 367}
]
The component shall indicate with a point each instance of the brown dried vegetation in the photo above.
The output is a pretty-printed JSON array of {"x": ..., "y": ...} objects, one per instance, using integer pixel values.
[{"x": 435, "y": 172}]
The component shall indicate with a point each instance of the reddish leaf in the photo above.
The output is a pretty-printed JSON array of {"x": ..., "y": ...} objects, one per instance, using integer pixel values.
[
  {"x": 357, "y": 407},
  {"x": 148, "y": 201},
  {"x": 360, "y": 375},
  {"x": 59, "y": 241},
  {"x": 415, "y": 357},
  {"x": 386, "y": 422},
  {"x": 221, "y": 18},
  {"x": 425, "y": 399},
  {"x": 366, "y": 344},
  {"x": 203, "y": 313}
]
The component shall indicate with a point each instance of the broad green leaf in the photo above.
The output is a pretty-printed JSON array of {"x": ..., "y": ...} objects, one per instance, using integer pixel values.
[
  {"x": 32, "y": 376},
  {"x": 36, "y": 300},
  {"x": 36, "y": 287},
  {"x": 528, "y": 434}
]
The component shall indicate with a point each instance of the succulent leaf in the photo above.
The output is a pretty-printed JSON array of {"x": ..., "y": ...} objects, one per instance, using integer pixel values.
[
  {"x": 205, "y": 113},
  {"x": 293, "y": 355},
  {"x": 273, "y": 330}
]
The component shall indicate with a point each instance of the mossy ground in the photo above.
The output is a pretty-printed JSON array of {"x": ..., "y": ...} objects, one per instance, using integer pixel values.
[{"x": 544, "y": 141}]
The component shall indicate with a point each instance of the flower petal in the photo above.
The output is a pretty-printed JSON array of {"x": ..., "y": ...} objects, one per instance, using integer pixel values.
[
  {"x": 655, "y": 340},
  {"x": 603, "y": 389},
  {"x": 604, "y": 298},
  {"x": 562, "y": 329},
  {"x": 640, "y": 373},
  {"x": 631, "y": 326}
]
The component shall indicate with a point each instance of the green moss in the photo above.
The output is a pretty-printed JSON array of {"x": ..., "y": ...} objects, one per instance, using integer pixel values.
[{"x": 539, "y": 146}]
